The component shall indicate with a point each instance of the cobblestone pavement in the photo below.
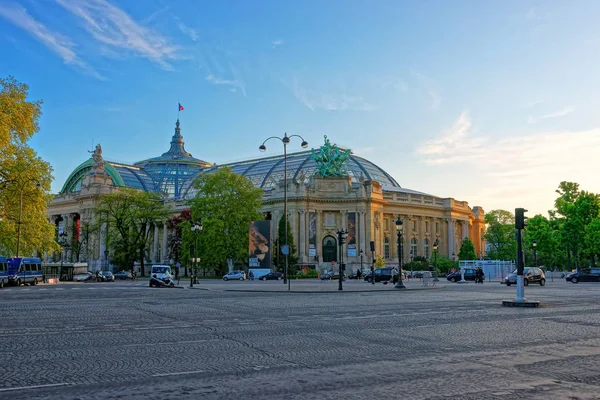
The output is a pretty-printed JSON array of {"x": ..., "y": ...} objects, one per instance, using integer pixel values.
[{"x": 125, "y": 340}]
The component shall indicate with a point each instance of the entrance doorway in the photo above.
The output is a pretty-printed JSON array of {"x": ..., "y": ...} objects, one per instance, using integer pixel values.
[{"x": 329, "y": 249}]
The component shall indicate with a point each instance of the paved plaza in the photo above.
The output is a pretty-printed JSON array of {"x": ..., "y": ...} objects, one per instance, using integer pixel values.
[{"x": 247, "y": 340}]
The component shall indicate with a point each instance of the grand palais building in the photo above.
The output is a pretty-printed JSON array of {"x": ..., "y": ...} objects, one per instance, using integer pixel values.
[{"x": 366, "y": 201}]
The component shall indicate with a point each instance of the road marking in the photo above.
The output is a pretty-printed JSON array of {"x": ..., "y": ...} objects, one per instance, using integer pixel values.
[
  {"x": 33, "y": 387},
  {"x": 170, "y": 343},
  {"x": 179, "y": 373}
]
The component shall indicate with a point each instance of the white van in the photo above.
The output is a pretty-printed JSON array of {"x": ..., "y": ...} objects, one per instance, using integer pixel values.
[{"x": 161, "y": 272}]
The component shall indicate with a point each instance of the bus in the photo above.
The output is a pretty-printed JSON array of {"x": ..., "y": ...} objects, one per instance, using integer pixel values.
[
  {"x": 24, "y": 270},
  {"x": 3, "y": 272}
]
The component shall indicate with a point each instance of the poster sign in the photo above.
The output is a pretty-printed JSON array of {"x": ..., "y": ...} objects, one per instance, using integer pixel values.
[
  {"x": 259, "y": 244},
  {"x": 351, "y": 239},
  {"x": 312, "y": 250}
]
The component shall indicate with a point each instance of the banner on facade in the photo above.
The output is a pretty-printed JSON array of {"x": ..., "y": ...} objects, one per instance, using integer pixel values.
[
  {"x": 312, "y": 234},
  {"x": 312, "y": 250},
  {"x": 351, "y": 240},
  {"x": 259, "y": 244}
]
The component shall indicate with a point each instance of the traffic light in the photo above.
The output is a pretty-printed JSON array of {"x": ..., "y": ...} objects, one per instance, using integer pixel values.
[
  {"x": 341, "y": 237},
  {"x": 520, "y": 218}
]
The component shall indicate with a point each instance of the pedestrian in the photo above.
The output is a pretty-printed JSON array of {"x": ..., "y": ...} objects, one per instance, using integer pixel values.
[
  {"x": 134, "y": 275},
  {"x": 358, "y": 274},
  {"x": 251, "y": 275},
  {"x": 479, "y": 275}
]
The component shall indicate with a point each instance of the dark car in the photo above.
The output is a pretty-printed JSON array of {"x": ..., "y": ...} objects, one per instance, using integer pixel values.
[
  {"x": 383, "y": 275},
  {"x": 470, "y": 275},
  {"x": 107, "y": 276},
  {"x": 530, "y": 275},
  {"x": 272, "y": 276},
  {"x": 585, "y": 275},
  {"x": 123, "y": 275}
]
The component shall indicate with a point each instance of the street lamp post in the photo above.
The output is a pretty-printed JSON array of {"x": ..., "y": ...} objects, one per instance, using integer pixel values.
[
  {"x": 285, "y": 140},
  {"x": 412, "y": 256},
  {"x": 400, "y": 283},
  {"x": 196, "y": 229},
  {"x": 342, "y": 234},
  {"x": 534, "y": 242},
  {"x": 106, "y": 259},
  {"x": 435, "y": 250},
  {"x": 19, "y": 221}
]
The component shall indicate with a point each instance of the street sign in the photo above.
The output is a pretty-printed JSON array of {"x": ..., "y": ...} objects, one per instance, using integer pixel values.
[
  {"x": 333, "y": 263},
  {"x": 285, "y": 249},
  {"x": 178, "y": 265}
]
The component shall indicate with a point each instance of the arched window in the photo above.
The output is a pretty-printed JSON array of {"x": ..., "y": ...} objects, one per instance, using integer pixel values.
[
  {"x": 386, "y": 247},
  {"x": 427, "y": 249},
  {"x": 413, "y": 246}
]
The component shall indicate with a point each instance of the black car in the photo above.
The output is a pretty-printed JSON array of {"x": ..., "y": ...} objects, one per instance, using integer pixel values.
[
  {"x": 123, "y": 275},
  {"x": 271, "y": 276},
  {"x": 383, "y": 275},
  {"x": 530, "y": 275},
  {"x": 585, "y": 275},
  {"x": 470, "y": 275}
]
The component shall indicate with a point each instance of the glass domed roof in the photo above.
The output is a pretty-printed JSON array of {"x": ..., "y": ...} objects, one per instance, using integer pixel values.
[
  {"x": 266, "y": 172},
  {"x": 172, "y": 169}
]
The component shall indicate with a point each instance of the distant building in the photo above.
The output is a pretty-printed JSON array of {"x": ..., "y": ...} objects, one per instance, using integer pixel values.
[{"x": 366, "y": 201}]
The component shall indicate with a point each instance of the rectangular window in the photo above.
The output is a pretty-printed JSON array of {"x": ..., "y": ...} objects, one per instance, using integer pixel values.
[
  {"x": 329, "y": 219},
  {"x": 437, "y": 227},
  {"x": 415, "y": 225},
  {"x": 426, "y": 226}
]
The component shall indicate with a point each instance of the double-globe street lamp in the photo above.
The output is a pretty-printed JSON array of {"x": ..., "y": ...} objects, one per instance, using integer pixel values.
[
  {"x": 534, "y": 243},
  {"x": 196, "y": 229},
  {"x": 286, "y": 248},
  {"x": 400, "y": 283},
  {"x": 435, "y": 250}
]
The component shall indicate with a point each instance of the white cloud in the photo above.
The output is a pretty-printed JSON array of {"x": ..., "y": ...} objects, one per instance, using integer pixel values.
[
  {"x": 59, "y": 44},
  {"x": 327, "y": 101},
  {"x": 278, "y": 42},
  {"x": 560, "y": 113},
  {"x": 236, "y": 84},
  {"x": 112, "y": 26},
  {"x": 513, "y": 170},
  {"x": 188, "y": 31}
]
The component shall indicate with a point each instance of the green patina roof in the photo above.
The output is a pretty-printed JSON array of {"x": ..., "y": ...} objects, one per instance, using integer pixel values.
[{"x": 84, "y": 168}]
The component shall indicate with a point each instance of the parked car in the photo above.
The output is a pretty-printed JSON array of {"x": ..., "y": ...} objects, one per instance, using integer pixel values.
[
  {"x": 383, "y": 275},
  {"x": 89, "y": 276},
  {"x": 108, "y": 276},
  {"x": 585, "y": 275},
  {"x": 123, "y": 275},
  {"x": 530, "y": 275},
  {"x": 272, "y": 276},
  {"x": 470, "y": 275},
  {"x": 235, "y": 275}
]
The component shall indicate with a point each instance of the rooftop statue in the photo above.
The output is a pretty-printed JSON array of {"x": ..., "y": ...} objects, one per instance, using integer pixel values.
[
  {"x": 330, "y": 160},
  {"x": 98, "y": 160}
]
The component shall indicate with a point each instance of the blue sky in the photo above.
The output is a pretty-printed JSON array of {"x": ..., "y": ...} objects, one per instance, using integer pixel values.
[{"x": 492, "y": 102}]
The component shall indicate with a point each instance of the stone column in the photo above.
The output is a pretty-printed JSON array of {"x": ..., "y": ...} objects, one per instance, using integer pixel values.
[
  {"x": 155, "y": 246},
  {"x": 450, "y": 237},
  {"x": 164, "y": 244},
  {"x": 421, "y": 235},
  {"x": 318, "y": 238},
  {"x": 302, "y": 252},
  {"x": 465, "y": 229},
  {"x": 362, "y": 233}
]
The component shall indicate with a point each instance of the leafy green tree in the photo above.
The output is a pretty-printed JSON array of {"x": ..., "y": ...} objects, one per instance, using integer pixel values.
[
  {"x": 174, "y": 242},
  {"x": 500, "y": 235},
  {"x": 379, "y": 262},
  {"x": 547, "y": 237},
  {"x": 279, "y": 258},
  {"x": 226, "y": 203},
  {"x": 129, "y": 214},
  {"x": 467, "y": 250},
  {"x": 25, "y": 178},
  {"x": 592, "y": 238}
]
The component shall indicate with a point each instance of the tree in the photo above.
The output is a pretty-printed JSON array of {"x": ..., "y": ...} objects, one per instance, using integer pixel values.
[
  {"x": 379, "y": 262},
  {"x": 25, "y": 178},
  {"x": 279, "y": 258},
  {"x": 500, "y": 235},
  {"x": 174, "y": 243},
  {"x": 226, "y": 203},
  {"x": 467, "y": 250},
  {"x": 128, "y": 215},
  {"x": 18, "y": 116}
]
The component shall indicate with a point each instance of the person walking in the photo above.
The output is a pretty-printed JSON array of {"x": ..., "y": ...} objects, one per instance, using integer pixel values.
[{"x": 358, "y": 274}]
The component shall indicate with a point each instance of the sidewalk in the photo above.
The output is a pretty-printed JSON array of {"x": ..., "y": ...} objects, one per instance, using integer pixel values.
[{"x": 300, "y": 286}]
